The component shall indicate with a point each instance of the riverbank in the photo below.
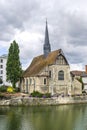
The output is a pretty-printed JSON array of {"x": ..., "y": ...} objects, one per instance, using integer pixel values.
[{"x": 31, "y": 101}]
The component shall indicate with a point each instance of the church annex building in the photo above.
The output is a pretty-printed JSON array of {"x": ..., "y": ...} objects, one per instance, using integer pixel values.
[{"x": 50, "y": 73}]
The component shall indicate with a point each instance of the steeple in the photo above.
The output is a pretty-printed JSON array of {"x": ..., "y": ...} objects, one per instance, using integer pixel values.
[{"x": 46, "y": 47}]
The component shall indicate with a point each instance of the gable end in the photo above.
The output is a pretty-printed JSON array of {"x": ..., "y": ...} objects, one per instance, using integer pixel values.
[{"x": 61, "y": 60}]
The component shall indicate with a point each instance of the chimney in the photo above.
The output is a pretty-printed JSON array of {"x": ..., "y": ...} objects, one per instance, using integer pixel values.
[{"x": 86, "y": 69}]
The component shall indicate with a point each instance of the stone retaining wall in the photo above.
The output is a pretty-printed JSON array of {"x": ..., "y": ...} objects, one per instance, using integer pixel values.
[{"x": 30, "y": 101}]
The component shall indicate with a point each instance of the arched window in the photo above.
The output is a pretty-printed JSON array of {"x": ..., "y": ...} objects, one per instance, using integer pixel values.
[{"x": 61, "y": 75}]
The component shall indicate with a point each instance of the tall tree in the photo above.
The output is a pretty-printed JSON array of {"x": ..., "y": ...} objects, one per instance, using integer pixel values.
[
  {"x": 13, "y": 67},
  {"x": 1, "y": 81}
]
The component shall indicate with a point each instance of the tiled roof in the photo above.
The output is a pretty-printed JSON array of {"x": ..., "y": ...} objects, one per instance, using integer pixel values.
[
  {"x": 78, "y": 73},
  {"x": 40, "y": 62}
]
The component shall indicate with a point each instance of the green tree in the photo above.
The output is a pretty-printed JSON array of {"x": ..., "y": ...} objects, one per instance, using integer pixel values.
[
  {"x": 1, "y": 81},
  {"x": 13, "y": 67}
]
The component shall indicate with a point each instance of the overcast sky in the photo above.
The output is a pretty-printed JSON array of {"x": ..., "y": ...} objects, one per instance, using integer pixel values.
[{"x": 24, "y": 21}]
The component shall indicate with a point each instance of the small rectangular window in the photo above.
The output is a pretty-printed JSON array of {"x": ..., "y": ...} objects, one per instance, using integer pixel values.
[
  {"x": 0, "y": 77},
  {"x": 1, "y": 72},
  {"x": 45, "y": 81},
  {"x": 1, "y": 60},
  {"x": 1, "y": 66}
]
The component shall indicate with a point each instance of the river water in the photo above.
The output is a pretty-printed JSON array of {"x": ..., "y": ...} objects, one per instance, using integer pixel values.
[{"x": 64, "y": 117}]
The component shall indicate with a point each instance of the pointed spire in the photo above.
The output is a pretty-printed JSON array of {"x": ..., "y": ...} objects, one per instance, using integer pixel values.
[
  {"x": 46, "y": 34},
  {"x": 47, "y": 47}
]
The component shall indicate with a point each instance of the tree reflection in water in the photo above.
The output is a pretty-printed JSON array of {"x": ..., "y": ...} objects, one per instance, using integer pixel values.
[
  {"x": 14, "y": 120},
  {"x": 65, "y": 117}
]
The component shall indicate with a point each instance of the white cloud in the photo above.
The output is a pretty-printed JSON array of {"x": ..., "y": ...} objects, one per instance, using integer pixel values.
[
  {"x": 25, "y": 23},
  {"x": 77, "y": 66}
]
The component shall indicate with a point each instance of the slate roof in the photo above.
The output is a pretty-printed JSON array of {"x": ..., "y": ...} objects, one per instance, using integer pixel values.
[{"x": 39, "y": 62}]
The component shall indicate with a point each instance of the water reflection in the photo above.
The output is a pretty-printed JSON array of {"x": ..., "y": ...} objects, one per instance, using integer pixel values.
[
  {"x": 67, "y": 117},
  {"x": 14, "y": 120}
]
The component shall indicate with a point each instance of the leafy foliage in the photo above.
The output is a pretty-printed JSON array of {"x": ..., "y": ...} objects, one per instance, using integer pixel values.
[
  {"x": 36, "y": 94},
  {"x": 84, "y": 92},
  {"x": 13, "y": 66},
  {"x": 3, "y": 88},
  {"x": 17, "y": 89},
  {"x": 1, "y": 81},
  {"x": 47, "y": 95},
  {"x": 40, "y": 95},
  {"x": 10, "y": 89}
]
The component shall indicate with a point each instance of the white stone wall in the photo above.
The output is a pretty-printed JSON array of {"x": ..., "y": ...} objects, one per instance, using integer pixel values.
[
  {"x": 85, "y": 87},
  {"x": 59, "y": 86},
  {"x": 84, "y": 79},
  {"x": 31, "y": 84},
  {"x": 53, "y": 85},
  {"x": 76, "y": 87}
]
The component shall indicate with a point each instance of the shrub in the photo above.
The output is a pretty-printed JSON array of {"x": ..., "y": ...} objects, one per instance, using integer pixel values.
[
  {"x": 17, "y": 89},
  {"x": 3, "y": 88},
  {"x": 10, "y": 89},
  {"x": 48, "y": 95},
  {"x": 1, "y": 81},
  {"x": 38, "y": 94},
  {"x": 2, "y": 97},
  {"x": 84, "y": 91}
]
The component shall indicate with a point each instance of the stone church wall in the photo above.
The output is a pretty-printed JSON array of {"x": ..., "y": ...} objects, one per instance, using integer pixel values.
[{"x": 59, "y": 86}]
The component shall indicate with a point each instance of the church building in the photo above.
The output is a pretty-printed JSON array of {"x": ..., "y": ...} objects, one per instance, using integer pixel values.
[{"x": 50, "y": 73}]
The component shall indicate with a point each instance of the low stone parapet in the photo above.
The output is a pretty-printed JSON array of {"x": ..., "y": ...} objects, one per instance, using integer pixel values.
[{"x": 31, "y": 101}]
